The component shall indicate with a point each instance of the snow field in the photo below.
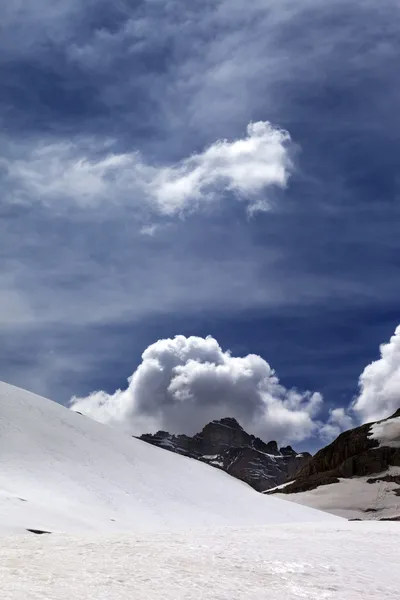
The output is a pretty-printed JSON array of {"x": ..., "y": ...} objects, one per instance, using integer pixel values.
[
  {"x": 353, "y": 498},
  {"x": 63, "y": 472},
  {"x": 347, "y": 561}
]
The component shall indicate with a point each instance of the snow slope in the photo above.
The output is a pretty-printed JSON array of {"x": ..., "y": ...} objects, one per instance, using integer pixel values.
[
  {"x": 342, "y": 561},
  {"x": 62, "y": 472},
  {"x": 353, "y": 498}
]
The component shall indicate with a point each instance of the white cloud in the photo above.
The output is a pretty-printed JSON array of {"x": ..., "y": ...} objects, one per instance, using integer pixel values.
[
  {"x": 149, "y": 230},
  {"x": 246, "y": 167},
  {"x": 338, "y": 421},
  {"x": 183, "y": 382},
  {"x": 380, "y": 384},
  {"x": 55, "y": 173}
]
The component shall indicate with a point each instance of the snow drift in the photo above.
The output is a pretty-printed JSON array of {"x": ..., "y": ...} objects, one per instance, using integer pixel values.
[{"x": 60, "y": 471}]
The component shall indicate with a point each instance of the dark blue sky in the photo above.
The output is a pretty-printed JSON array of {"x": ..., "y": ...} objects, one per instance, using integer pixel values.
[{"x": 92, "y": 273}]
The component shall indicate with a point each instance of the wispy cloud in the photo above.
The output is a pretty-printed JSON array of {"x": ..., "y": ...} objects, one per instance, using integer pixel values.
[{"x": 56, "y": 173}]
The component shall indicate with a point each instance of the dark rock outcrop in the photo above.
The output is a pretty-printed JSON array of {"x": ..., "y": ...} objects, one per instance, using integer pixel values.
[
  {"x": 226, "y": 445},
  {"x": 352, "y": 454},
  {"x": 39, "y": 531}
]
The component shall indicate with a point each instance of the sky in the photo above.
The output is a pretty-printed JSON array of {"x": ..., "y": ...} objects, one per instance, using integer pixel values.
[{"x": 224, "y": 172}]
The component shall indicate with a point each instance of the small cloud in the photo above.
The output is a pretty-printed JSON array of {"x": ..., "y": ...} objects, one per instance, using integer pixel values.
[
  {"x": 246, "y": 167},
  {"x": 149, "y": 230}
]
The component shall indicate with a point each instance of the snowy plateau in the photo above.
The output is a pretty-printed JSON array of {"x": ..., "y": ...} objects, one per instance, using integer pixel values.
[{"x": 128, "y": 520}]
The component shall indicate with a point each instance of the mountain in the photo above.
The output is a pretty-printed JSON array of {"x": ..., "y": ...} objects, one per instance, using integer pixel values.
[
  {"x": 127, "y": 519},
  {"x": 357, "y": 476},
  {"x": 63, "y": 472},
  {"x": 226, "y": 445}
]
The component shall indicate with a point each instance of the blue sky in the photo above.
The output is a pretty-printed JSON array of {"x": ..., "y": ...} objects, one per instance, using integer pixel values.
[{"x": 125, "y": 220}]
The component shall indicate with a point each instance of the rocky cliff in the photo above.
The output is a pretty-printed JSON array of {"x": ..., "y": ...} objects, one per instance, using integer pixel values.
[
  {"x": 224, "y": 444},
  {"x": 355, "y": 453}
]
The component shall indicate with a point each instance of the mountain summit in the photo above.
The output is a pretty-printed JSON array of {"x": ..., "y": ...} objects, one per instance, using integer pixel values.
[{"x": 226, "y": 445}]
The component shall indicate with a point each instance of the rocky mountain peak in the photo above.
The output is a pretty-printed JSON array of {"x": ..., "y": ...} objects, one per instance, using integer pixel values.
[
  {"x": 288, "y": 451},
  {"x": 223, "y": 443}
]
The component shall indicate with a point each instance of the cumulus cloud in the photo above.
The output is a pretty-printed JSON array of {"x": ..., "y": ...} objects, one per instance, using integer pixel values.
[
  {"x": 184, "y": 382},
  {"x": 379, "y": 384},
  {"x": 246, "y": 167}
]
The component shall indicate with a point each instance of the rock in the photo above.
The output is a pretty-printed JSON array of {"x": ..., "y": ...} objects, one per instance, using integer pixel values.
[
  {"x": 352, "y": 454},
  {"x": 39, "y": 531},
  {"x": 226, "y": 445},
  {"x": 387, "y": 478}
]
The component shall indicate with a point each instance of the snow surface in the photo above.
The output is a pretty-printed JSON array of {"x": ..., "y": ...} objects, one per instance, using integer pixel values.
[
  {"x": 353, "y": 498},
  {"x": 387, "y": 432},
  {"x": 342, "y": 561},
  {"x": 278, "y": 487},
  {"x": 63, "y": 472}
]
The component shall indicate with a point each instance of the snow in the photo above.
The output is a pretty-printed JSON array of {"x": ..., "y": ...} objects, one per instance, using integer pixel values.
[
  {"x": 353, "y": 498},
  {"x": 387, "y": 432},
  {"x": 278, "y": 487},
  {"x": 130, "y": 520},
  {"x": 337, "y": 561},
  {"x": 63, "y": 472}
]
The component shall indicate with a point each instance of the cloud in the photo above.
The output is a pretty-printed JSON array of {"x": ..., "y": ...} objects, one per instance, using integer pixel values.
[
  {"x": 338, "y": 421},
  {"x": 184, "y": 382},
  {"x": 246, "y": 167},
  {"x": 380, "y": 384},
  {"x": 55, "y": 173},
  {"x": 379, "y": 396},
  {"x": 168, "y": 79}
]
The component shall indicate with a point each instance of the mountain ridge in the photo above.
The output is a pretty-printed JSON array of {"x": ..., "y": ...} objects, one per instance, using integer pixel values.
[{"x": 224, "y": 444}]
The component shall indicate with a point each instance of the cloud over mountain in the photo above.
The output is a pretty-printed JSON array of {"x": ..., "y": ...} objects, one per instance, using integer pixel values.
[{"x": 184, "y": 382}]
